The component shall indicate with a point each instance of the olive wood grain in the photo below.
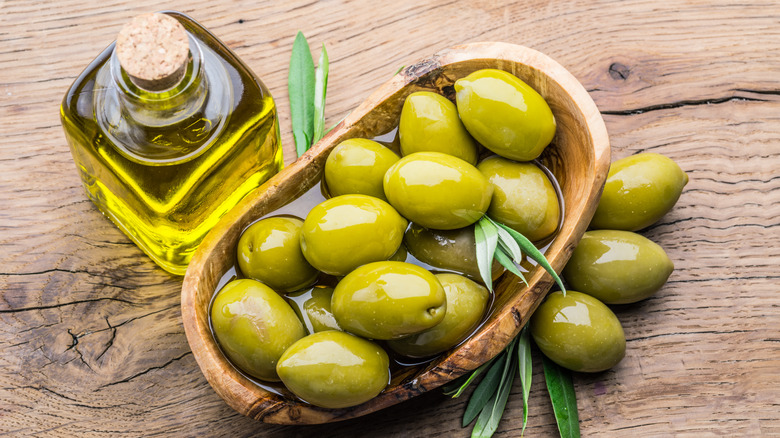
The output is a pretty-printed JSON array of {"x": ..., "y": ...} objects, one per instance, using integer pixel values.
[{"x": 579, "y": 158}]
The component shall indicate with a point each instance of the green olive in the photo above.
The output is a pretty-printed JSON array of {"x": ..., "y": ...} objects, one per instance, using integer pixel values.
[
  {"x": 334, "y": 369},
  {"x": 451, "y": 250},
  {"x": 400, "y": 255},
  {"x": 437, "y": 190},
  {"x": 430, "y": 123},
  {"x": 578, "y": 332},
  {"x": 523, "y": 197},
  {"x": 466, "y": 304},
  {"x": 639, "y": 190},
  {"x": 269, "y": 251},
  {"x": 357, "y": 166},
  {"x": 313, "y": 307},
  {"x": 347, "y": 231},
  {"x": 504, "y": 114},
  {"x": 388, "y": 300},
  {"x": 254, "y": 325},
  {"x": 617, "y": 267}
]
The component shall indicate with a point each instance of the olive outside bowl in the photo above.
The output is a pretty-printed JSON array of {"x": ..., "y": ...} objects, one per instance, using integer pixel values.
[{"x": 579, "y": 158}]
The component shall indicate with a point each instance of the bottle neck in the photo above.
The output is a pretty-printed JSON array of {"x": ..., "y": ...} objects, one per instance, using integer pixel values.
[{"x": 165, "y": 107}]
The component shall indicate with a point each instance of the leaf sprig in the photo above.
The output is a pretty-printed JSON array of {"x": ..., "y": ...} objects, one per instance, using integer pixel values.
[
  {"x": 488, "y": 400},
  {"x": 307, "y": 88},
  {"x": 495, "y": 240}
]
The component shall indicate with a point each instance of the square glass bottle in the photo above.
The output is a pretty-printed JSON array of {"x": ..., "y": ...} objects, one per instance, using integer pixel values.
[{"x": 166, "y": 154}]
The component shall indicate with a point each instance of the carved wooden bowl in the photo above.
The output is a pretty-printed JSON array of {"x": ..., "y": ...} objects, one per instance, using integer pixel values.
[{"x": 579, "y": 159}]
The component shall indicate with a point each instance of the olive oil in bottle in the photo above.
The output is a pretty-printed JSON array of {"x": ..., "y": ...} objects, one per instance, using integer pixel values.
[{"x": 170, "y": 130}]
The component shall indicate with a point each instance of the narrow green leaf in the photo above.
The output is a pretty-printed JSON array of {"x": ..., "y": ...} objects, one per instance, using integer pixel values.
[
  {"x": 301, "y": 141},
  {"x": 457, "y": 386},
  {"x": 300, "y": 88},
  {"x": 454, "y": 387},
  {"x": 484, "y": 417},
  {"x": 507, "y": 242},
  {"x": 486, "y": 237},
  {"x": 533, "y": 252},
  {"x": 487, "y": 387},
  {"x": 564, "y": 401},
  {"x": 334, "y": 125},
  {"x": 487, "y": 422},
  {"x": 320, "y": 90},
  {"x": 507, "y": 262},
  {"x": 399, "y": 70},
  {"x": 525, "y": 368}
]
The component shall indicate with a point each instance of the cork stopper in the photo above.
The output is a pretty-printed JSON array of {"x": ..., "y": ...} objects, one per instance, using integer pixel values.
[{"x": 153, "y": 49}]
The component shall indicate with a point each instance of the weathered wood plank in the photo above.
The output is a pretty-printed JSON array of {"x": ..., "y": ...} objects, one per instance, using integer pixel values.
[{"x": 90, "y": 329}]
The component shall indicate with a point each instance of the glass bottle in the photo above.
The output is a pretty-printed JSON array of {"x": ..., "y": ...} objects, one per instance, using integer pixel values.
[{"x": 166, "y": 159}]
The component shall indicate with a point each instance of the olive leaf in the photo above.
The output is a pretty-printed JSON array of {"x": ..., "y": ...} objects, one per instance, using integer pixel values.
[
  {"x": 495, "y": 240},
  {"x": 528, "y": 248},
  {"x": 300, "y": 88},
  {"x": 457, "y": 386},
  {"x": 334, "y": 125},
  {"x": 508, "y": 243},
  {"x": 525, "y": 369},
  {"x": 490, "y": 416},
  {"x": 564, "y": 401},
  {"x": 507, "y": 262},
  {"x": 487, "y": 387},
  {"x": 320, "y": 90},
  {"x": 486, "y": 238}
]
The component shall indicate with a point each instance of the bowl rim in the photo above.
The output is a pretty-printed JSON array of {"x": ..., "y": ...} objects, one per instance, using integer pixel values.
[{"x": 234, "y": 390}]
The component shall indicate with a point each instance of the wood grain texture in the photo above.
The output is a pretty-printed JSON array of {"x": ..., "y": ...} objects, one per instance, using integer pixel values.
[{"x": 90, "y": 329}]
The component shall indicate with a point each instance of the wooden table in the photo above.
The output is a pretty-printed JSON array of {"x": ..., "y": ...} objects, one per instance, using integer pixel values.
[{"x": 90, "y": 329}]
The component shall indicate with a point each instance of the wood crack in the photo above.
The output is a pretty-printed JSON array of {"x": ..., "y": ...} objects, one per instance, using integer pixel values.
[
  {"x": 128, "y": 379},
  {"x": 768, "y": 92},
  {"x": 741, "y": 181},
  {"x": 113, "y": 328},
  {"x": 703, "y": 332},
  {"x": 110, "y": 342},
  {"x": 74, "y": 345},
  {"x": 693, "y": 218},
  {"x": 684, "y": 103},
  {"x": 703, "y": 280},
  {"x": 71, "y": 303},
  {"x": 46, "y": 271}
]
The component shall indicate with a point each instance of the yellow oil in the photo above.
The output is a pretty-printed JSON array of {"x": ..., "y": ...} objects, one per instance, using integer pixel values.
[{"x": 165, "y": 167}]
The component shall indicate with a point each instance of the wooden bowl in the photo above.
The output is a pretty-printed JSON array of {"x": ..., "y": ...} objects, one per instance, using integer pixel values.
[{"x": 579, "y": 158}]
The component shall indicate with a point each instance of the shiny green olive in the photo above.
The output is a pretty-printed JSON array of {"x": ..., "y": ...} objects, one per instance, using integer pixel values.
[
  {"x": 578, "y": 332},
  {"x": 430, "y": 123},
  {"x": 523, "y": 197},
  {"x": 451, "y": 250},
  {"x": 269, "y": 251},
  {"x": 400, "y": 255},
  {"x": 617, "y": 267},
  {"x": 639, "y": 190},
  {"x": 347, "y": 231},
  {"x": 388, "y": 300},
  {"x": 357, "y": 166},
  {"x": 466, "y": 304},
  {"x": 437, "y": 190},
  {"x": 313, "y": 307},
  {"x": 504, "y": 114},
  {"x": 333, "y": 369},
  {"x": 254, "y": 325}
]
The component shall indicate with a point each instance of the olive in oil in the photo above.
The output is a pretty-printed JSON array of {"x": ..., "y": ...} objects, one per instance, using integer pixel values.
[{"x": 166, "y": 165}]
